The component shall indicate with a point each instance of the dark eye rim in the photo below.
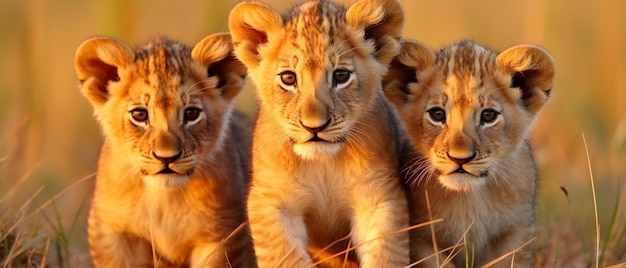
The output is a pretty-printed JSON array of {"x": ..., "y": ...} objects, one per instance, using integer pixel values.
[
  {"x": 197, "y": 110},
  {"x": 289, "y": 72},
  {"x": 431, "y": 112},
  {"x": 492, "y": 111},
  {"x": 346, "y": 71},
  {"x": 138, "y": 111}
]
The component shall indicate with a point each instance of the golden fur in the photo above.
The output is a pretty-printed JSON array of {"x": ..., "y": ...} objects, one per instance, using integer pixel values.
[
  {"x": 171, "y": 181},
  {"x": 325, "y": 153},
  {"x": 468, "y": 112}
]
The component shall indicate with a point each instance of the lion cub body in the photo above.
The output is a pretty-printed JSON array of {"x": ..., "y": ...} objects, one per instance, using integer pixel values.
[
  {"x": 171, "y": 183},
  {"x": 468, "y": 112},
  {"x": 325, "y": 154}
]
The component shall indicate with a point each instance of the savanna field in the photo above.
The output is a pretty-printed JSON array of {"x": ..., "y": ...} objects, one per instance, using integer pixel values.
[{"x": 49, "y": 140}]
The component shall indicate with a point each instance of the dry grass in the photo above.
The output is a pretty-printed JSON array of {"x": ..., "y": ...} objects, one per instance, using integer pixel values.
[
  {"x": 588, "y": 243},
  {"x": 20, "y": 246},
  {"x": 29, "y": 236}
]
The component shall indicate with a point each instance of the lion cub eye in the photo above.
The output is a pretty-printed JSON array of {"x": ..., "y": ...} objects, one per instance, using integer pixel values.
[
  {"x": 191, "y": 114},
  {"x": 488, "y": 116},
  {"x": 139, "y": 115},
  {"x": 341, "y": 76},
  {"x": 437, "y": 115},
  {"x": 288, "y": 78}
]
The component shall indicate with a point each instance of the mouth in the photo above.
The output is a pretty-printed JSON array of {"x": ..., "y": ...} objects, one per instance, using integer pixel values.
[
  {"x": 167, "y": 170},
  {"x": 460, "y": 170},
  {"x": 316, "y": 147},
  {"x": 461, "y": 180},
  {"x": 317, "y": 139},
  {"x": 167, "y": 178}
]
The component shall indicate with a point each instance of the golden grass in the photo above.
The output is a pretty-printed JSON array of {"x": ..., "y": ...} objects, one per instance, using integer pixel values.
[{"x": 595, "y": 206}]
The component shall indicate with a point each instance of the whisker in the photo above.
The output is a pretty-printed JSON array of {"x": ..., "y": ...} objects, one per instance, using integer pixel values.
[
  {"x": 351, "y": 49},
  {"x": 195, "y": 88},
  {"x": 355, "y": 139},
  {"x": 418, "y": 169}
]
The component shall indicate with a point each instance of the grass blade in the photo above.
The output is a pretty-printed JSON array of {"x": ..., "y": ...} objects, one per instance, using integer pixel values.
[{"x": 595, "y": 206}]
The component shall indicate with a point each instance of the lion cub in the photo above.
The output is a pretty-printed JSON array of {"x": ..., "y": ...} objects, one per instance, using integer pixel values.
[
  {"x": 171, "y": 184},
  {"x": 325, "y": 148},
  {"x": 468, "y": 112}
]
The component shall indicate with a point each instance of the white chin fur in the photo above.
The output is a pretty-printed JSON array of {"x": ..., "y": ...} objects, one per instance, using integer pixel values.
[
  {"x": 317, "y": 150},
  {"x": 166, "y": 180},
  {"x": 461, "y": 182}
]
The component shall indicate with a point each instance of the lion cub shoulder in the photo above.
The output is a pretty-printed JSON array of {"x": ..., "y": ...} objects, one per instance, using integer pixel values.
[
  {"x": 468, "y": 112},
  {"x": 171, "y": 180}
]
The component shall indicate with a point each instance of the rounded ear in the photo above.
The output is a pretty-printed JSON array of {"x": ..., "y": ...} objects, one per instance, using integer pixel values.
[
  {"x": 531, "y": 69},
  {"x": 415, "y": 55},
  {"x": 404, "y": 70},
  {"x": 380, "y": 21},
  {"x": 215, "y": 52},
  {"x": 97, "y": 62},
  {"x": 251, "y": 25},
  {"x": 212, "y": 48}
]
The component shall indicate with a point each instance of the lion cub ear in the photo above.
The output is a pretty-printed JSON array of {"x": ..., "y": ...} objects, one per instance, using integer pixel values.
[
  {"x": 97, "y": 63},
  {"x": 252, "y": 24},
  {"x": 404, "y": 71},
  {"x": 215, "y": 53},
  {"x": 532, "y": 71},
  {"x": 380, "y": 21}
]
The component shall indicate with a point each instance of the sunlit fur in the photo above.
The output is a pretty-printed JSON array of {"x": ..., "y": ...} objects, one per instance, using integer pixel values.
[
  {"x": 140, "y": 215},
  {"x": 490, "y": 188},
  {"x": 306, "y": 195}
]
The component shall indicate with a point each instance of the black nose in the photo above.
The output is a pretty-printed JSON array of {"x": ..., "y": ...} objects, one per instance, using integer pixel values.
[
  {"x": 167, "y": 159},
  {"x": 317, "y": 128},
  {"x": 461, "y": 161}
]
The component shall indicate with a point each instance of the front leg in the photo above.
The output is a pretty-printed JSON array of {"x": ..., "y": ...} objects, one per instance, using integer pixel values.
[
  {"x": 423, "y": 254},
  {"x": 278, "y": 230},
  {"x": 379, "y": 227},
  {"x": 516, "y": 244},
  {"x": 208, "y": 255},
  {"x": 235, "y": 250},
  {"x": 110, "y": 248}
]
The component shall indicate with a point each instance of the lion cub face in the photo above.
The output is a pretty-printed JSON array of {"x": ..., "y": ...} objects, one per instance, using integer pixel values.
[
  {"x": 313, "y": 69},
  {"x": 164, "y": 105},
  {"x": 467, "y": 108}
]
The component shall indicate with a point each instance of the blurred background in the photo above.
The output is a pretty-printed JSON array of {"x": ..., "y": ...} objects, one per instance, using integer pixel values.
[{"x": 50, "y": 140}]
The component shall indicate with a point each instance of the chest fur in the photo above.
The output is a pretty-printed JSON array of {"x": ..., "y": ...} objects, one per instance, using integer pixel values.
[{"x": 481, "y": 216}]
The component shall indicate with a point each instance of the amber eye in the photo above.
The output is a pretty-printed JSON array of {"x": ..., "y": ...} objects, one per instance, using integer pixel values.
[
  {"x": 139, "y": 114},
  {"x": 488, "y": 116},
  {"x": 192, "y": 114},
  {"x": 437, "y": 114},
  {"x": 341, "y": 76},
  {"x": 288, "y": 78}
]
